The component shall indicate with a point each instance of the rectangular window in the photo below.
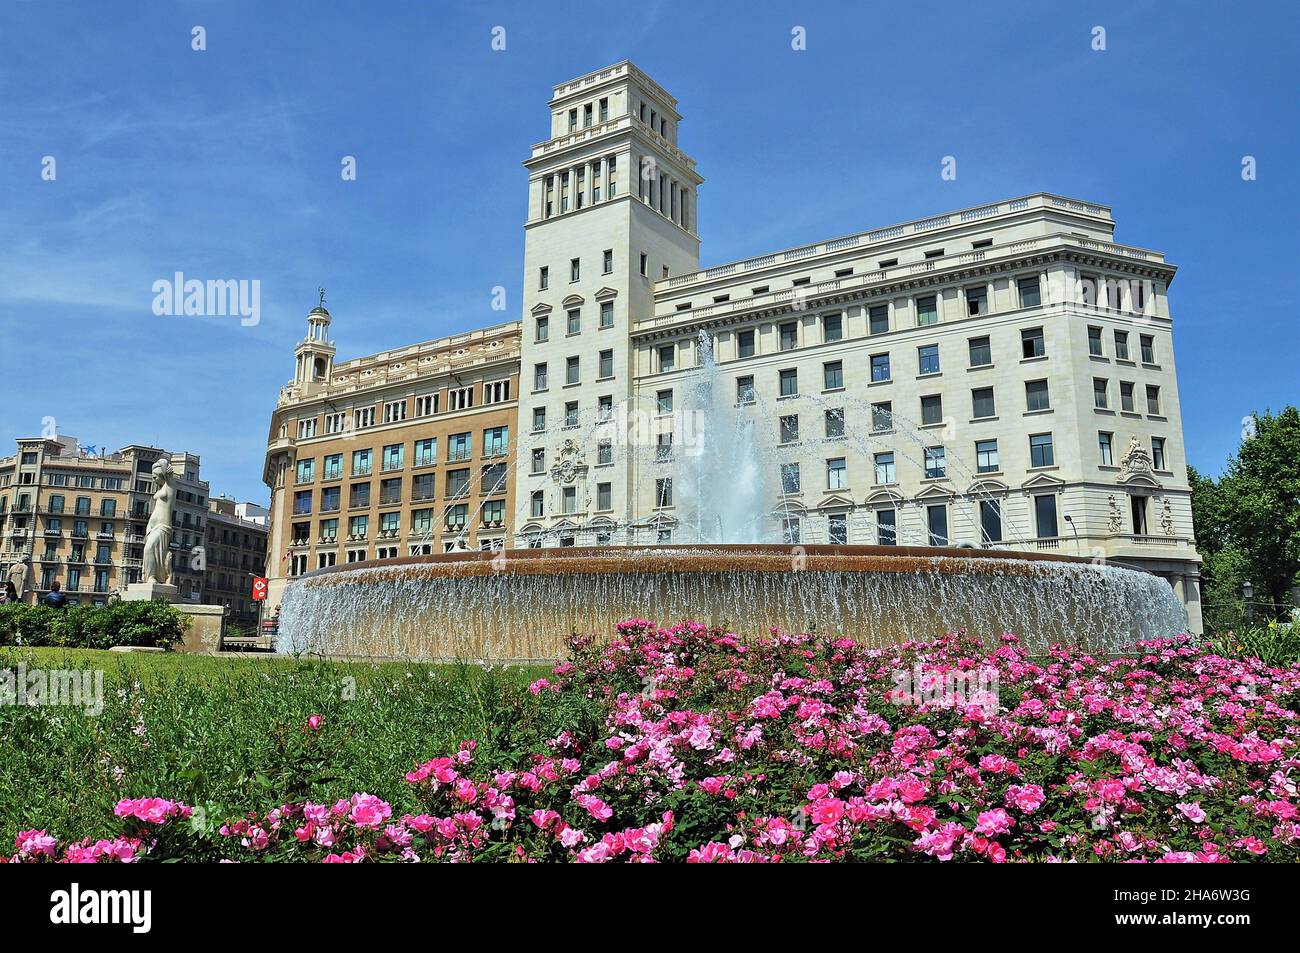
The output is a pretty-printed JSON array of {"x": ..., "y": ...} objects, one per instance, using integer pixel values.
[
  {"x": 927, "y": 310},
  {"x": 936, "y": 521},
  {"x": 539, "y": 419},
  {"x": 887, "y": 527},
  {"x": 745, "y": 390},
  {"x": 457, "y": 483},
  {"x": 358, "y": 495},
  {"x": 982, "y": 404},
  {"x": 1031, "y": 342},
  {"x": 394, "y": 454},
  {"x": 832, "y": 328},
  {"x": 301, "y": 502},
  {"x": 542, "y": 330},
  {"x": 543, "y": 278},
  {"x": 1148, "y": 348},
  {"x": 936, "y": 464},
  {"x": 539, "y": 460},
  {"x": 362, "y": 462},
  {"x": 880, "y": 367},
  {"x": 1045, "y": 515},
  {"x": 1030, "y": 292},
  {"x": 789, "y": 336},
  {"x": 569, "y": 500},
  {"x": 1036, "y": 397},
  {"x": 1094, "y": 342},
  {"x": 832, "y": 375},
  {"x": 931, "y": 410},
  {"x": 1138, "y": 507},
  {"x": 928, "y": 359},
  {"x": 536, "y": 504},
  {"x": 878, "y": 316},
  {"x": 394, "y": 411},
  {"x": 1158, "y": 453},
  {"x": 575, "y": 269},
  {"x": 333, "y": 469},
  {"x": 539, "y": 376},
  {"x": 390, "y": 491},
  {"x": 604, "y": 496},
  {"x": 496, "y": 441},
  {"x": 1100, "y": 393},
  {"x": 986, "y": 456},
  {"x": 789, "y": 382},
  {"x": 330, "y": 499},
  {"x": 882, "y": 417},
  {"x": 426, "y": 452},
  {"x": 1106, "y": 448},
  {"x": 606, "y": 364},
  {"x": 422, "y": 486},
  {"x": 607, "y": 261},
  {"x": 745, "y": 343},
  {"x": 790, "y": 478},
  {"x": 1153, "y": 399},
  {"x": 667, "y": 357},
  {"x": 604, "y": 453},
  {"x": 306, "y": 471},
  {"x": 884, "y": 468},
  {"x": 837, "y": 474},
  {"x": 839, "y": 529},
  {"x": 574, "y": 318},
  {"x": 459, "y": 446},
  {"x": 607, "y": 314},
  {"x": 990, "y": 521},
  {"x": 664, "y": 491},
  {"x": 977, "y": 300},
  {"x": 789, "y": 428},
  {"x": 834, "y": 423},
  {"x": 1126, "y": 396},
  {"x": 1040, "y": 450},
  {"x": 572, "y": 368},
  {"x": 1121, "y": 346},
  {"x": 358, "y": 527}
]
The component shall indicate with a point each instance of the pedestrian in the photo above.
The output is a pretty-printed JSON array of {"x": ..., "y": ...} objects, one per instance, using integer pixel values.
[{"x": 55, "y": 599}]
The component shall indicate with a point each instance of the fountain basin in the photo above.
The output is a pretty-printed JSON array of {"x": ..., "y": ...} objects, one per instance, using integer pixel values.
[{"x": 521, "y": 605}]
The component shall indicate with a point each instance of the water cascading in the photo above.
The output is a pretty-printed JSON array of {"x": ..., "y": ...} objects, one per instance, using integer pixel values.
[{"x": 521, "y": 605}]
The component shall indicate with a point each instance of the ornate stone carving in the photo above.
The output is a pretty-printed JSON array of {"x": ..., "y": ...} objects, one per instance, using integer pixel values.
[
  {"x": 1115, "y": 517},
  {"x": 570, "y": 464},
  {"x": 1166, "y": 517},
  {"x": 1136, "y": 459}
]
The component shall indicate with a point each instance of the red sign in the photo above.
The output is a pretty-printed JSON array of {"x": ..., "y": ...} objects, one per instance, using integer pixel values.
[{"x": 259, "y": 588}]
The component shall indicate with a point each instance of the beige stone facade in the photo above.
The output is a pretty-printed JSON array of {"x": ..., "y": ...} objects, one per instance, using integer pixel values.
[
  {"x": 405, "y": 452},
  {"x": 80, "y": 518}
]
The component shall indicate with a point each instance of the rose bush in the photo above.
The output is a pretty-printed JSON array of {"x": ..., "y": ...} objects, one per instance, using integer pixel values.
[{"x": 689, "y": 744}]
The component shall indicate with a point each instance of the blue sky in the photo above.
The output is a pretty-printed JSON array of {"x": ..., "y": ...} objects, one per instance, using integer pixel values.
[{"x": 225, "y": 164}]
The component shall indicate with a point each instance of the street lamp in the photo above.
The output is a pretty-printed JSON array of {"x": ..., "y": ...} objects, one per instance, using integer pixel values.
[
  {"x": 1070, "y": 519},
  {"x": 1248, "y": 591}
]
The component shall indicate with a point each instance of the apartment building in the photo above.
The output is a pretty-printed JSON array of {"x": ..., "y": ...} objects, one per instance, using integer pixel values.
[
  {"x": 404, "y": 452},
  {"x": 80, "y": 517},
  {"x": 236, "y": 555}
]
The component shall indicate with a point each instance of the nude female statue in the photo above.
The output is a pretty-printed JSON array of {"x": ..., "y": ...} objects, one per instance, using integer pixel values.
[{"x": 158, "y": 534}]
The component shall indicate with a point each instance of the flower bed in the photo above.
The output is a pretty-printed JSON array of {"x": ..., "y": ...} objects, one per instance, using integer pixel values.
[{"x": 689, "y": 744}]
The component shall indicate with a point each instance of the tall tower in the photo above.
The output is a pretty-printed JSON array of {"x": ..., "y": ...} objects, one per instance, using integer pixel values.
[
  {"x": 314, "y": 355},
  {"x": 611, "y": 209}
]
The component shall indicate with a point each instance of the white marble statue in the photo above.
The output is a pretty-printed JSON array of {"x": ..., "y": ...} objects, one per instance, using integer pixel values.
[
  {"x": 20, "y": 574},
  {"x": 158, "y": 535}
]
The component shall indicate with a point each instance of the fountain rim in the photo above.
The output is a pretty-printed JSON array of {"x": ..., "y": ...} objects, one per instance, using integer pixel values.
[{"x": 758, "y": 557}]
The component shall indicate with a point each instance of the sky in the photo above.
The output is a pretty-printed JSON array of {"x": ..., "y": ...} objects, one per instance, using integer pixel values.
[{"x": 225, "y": 163}]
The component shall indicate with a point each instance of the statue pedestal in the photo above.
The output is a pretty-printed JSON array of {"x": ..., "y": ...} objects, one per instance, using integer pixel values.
[
  {"x": 148, "y": 591},
  {"x": 206, "y": 622}
]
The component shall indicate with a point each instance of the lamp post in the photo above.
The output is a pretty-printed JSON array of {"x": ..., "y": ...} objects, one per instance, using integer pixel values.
[
  {"x": 1248, "y": 592},
  {"x": 1070, "y": 519}
]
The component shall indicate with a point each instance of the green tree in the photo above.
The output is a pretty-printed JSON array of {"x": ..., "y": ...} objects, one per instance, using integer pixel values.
[{"x": 1248, "y": 521}]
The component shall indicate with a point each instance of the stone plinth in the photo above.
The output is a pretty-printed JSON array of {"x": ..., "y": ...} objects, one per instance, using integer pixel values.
[
  {"x": 148, "y": 591},
  {"x": 204, "y": 632}
]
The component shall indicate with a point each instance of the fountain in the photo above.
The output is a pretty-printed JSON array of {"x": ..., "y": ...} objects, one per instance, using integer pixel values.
[{"x": 521, "y": 604}]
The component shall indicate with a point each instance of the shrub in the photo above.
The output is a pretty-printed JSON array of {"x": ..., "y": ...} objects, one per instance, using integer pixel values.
[
  {"x": 93, "y": 627},
  {"x": 1277, "y": 643}
]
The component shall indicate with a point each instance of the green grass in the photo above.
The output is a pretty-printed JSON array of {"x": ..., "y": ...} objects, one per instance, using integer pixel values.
[{"x": 214, "y": 732}]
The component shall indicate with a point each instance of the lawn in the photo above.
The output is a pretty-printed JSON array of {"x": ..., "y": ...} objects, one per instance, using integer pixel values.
[{"x": 212, "y": 731}]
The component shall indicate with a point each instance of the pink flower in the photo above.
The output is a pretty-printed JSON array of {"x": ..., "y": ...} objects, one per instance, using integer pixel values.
[
  {"x": 994, "y": 822},
  {"x": 369, "y": 811},
  {"x": 1025, "y": 797},
  {"x": 1192, "y": 812},
  {"x": 315, "y": 721}
]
